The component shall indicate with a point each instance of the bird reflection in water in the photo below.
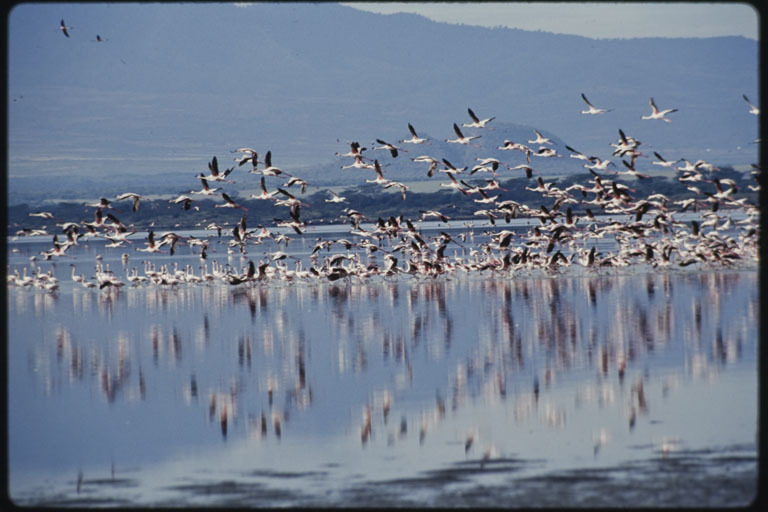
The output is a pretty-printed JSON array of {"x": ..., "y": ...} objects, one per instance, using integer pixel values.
[{"x": 510, "y": 344}]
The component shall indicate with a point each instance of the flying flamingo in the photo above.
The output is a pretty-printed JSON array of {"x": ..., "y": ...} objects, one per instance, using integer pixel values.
[
  {"x": 592, "y": 110},
  {"x": 450, "y": 169},
  {"x": 269, "y": 169},
  {"x": 476, "y": 121},
  {"x": 248, "y": 155},
  {"x": 264, "y": 194},
  {"x": 335, "y": 198},
  {"x": 658, "y": 114},
  {"x": 358, "y": 164},
  {"x": 151, "y": 245},
  {"x": 206, "y": 190},
  {"x": 380, "y": 179},
  {"x": 753, "y": 109},
  {"x": 229, "y": 203},
  {"x": 540, "y": 139},
  {"x": 390, "y": 147},
  {"x": 432, "y": 161},
  {"x": 295, "y": 180},
  {"x": 186, "y": 200},
  {"x": 461, "y": 139},
  {"x": 130, "y": 195},
  {"x": 354, "y": 151},
  {"x": 454, "y": 184},
  {"x": 63, "y": 27},
  {"x": 664, "y": 163},
  {"x": 415, "y": 139}
]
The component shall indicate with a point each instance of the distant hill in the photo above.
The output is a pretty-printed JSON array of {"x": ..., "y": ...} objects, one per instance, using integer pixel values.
[{"x": 174, "y": 84}]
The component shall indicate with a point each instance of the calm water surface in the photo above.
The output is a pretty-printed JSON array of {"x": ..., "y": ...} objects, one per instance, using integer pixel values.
[{"x": 634, "y": 388}]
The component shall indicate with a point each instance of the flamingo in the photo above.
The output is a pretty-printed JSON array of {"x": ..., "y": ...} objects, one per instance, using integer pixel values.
[
  {"x": 450, "y": 169},
  {"x": 97, "y": 222},
  {"x": 262, "y": 234},
  {"x": 432, "y": 161},
  {"x": 592, "y": 109},
  {"x": 63, "y": 27},
  {"x": 151, "y": 246},
  {"x": 185, "y": 199},
  {"x": 229, "y": 203},
  {"x": 403, "y": 187},
  {"x": 264, "y": 194},
  {"x": 547, "y": 152},
  {"x": 461, "y": 139},
  {"x": 631, "y": 170},
  {"x": 486, "y": 198},
  {"x": 113, "y": 242},
  {"x": 335, "y": 198},
  {"x": 687, "y": 166},
  {"x": 493, "y": 185},
  {"x": 664, "y": 163},
  {"x": 215, "y": 175},
  {"x": 119, "y": 234},
  {"x": 294, "y": 223},
  {"x": 130, "y": 195},
  {"x": 47, "y": 281},
  {"x": 658, "y": 114},
  {"x": 540, "y": 139},
  {"x": 599, "y": 164},
  {"x": 358, "y": 164},
  {"x": 415, "y": 139},
  {"x": 476, "y": 121},
  {"x": 454, "y": 184},
  {"x": 425, "y": 158},
  {"x": 380, "y": 179},
  {"x": 354, "y": 151},
  {"x": 77, "y": 278},
  {"x": 58, "y": 248},
  {"x": 269, "y": 169},
  {"x": 248, "y": 155},
  {"x": 115, "y": 222},
  {"x": 540, "y": 187},
  {"x": 290, "y": 200},
  {"x": 206, "y": 190},
  {"x": 721, "y": 193},
  {"x": 294, "y": 180},
  {"x": 510, "y": 146},
  {"x": 487, "y": 213},
  {"x": 103, "y": 203},
  {"x": 626, "y": 145},
  {"x": 433, "y": 213},
  {"x": 43, "y": 215},
  {"x": 701, "y": 164},
  {"x": 169, "y": 238},
  {"x": 107, "y": 278},
  {"x": 578, "y": 155},
  {"x": 486, "y": 165},
  {"x": 752, "y": 109},
  {"x": 390, "y": 147}
]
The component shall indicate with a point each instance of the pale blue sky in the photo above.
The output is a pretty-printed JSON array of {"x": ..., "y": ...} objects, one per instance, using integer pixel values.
[{"x": 592, "y": 19}]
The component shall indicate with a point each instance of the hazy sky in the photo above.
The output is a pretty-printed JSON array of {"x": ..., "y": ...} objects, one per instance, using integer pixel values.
[{"x": 592, "y": 19}]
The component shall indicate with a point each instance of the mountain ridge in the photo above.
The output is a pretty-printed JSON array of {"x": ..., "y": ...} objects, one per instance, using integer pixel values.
[{"x": 177, "y": 84}]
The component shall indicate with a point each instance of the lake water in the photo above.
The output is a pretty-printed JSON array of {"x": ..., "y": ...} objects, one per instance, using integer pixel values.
[{"x": 634, "y": 387}]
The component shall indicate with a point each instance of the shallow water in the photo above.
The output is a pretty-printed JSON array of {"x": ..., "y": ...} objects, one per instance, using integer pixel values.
[{"x": 635, "y": 388}]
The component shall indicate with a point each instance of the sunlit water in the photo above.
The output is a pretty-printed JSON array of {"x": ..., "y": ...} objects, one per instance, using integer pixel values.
[{"x": 632, "y": 388}]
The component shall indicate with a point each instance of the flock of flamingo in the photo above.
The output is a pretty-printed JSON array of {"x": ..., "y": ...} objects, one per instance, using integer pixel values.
[{"x": 649, "y": 233}]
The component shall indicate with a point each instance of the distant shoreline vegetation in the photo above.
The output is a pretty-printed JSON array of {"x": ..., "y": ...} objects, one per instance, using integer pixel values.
[{"x": 367, "y": 198}]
